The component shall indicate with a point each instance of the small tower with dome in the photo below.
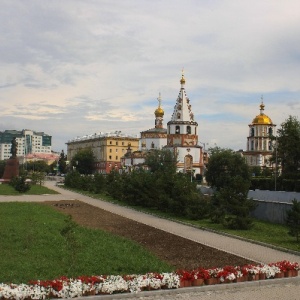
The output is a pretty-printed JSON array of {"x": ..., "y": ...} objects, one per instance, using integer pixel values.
[
  {"x": 155, "y": 138},
  {"x": 259, "y": 142}
]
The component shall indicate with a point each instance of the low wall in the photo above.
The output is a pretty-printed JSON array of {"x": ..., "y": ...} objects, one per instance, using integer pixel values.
[{"x": 271, "y": 205}]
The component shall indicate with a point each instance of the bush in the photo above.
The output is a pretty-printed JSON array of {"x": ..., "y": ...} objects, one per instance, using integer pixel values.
[{"x": 20, "y": 184}]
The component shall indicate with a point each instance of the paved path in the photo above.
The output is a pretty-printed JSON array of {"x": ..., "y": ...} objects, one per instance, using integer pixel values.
[{"x": 242, "y": 248}]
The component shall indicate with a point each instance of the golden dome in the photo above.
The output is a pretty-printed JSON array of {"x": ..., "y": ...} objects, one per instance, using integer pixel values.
[
  {"x": 182, "y": 80},
  {"x": 262, "y": 118},
  {"x": 159, "y": 112}
]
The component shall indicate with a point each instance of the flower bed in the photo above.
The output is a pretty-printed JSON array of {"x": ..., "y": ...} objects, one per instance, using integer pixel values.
[{"x": 96, "y": 285}]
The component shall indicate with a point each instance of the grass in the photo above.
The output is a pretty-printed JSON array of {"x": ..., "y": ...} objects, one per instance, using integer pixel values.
[
  {"x": 8, "y": 190},
  {"x": 36, "y": 242},
  {"x": 265, "y": 232}
]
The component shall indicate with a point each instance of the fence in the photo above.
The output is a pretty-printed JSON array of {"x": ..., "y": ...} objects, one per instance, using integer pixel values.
[{"x": 271, "y": 205}]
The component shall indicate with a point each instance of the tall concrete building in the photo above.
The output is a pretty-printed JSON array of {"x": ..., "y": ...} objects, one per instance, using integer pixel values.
[{"x": 29, "y": 142}]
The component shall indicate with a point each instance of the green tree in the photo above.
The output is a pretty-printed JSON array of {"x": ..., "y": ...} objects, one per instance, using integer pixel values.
[
  {"x": 37, "y": 166},
  {"x": 293, "y": 220},
  {"x": 2, "y": 167},
  {"x": 161, "y": 160},
  {"x": 37, "y": 177},
  {"x": 62, "y": 163},
  {"x": 288, "y": 148},
  {"x": 228, "y": 174},
  {"x": 84, "y": 161}
]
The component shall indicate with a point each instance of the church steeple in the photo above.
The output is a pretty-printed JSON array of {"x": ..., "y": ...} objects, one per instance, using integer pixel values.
[
  {"x": 183, "y": 109},
  {"x": 182, "y": 121},
  {"x": 159, "y": 114}
]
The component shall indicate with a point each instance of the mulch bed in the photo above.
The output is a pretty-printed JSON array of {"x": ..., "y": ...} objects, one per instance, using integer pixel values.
[{"x": 177, "y": 251}]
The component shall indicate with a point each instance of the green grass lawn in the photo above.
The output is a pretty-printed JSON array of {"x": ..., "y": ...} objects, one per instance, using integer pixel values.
[
  {"x": 264, "y": 232},
  {"x": 8, "y": 190},
  {"x": 36, "y": 242}
]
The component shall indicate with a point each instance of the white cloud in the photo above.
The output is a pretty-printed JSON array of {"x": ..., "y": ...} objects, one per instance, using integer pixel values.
[{"x": 72, "y": 67}]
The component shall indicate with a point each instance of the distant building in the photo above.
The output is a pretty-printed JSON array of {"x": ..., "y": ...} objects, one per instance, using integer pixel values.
[
  {"x": 259, "y": 142},
  {"x": 108, "y": 148},
  {"x": 151, "y": 139},
  {"x": 29, "y": 142},
  {"x": 155, "y": 138},
  {"x": 182, "y": 135}
]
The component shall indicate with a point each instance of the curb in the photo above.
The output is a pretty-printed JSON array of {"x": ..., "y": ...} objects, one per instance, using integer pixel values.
[{"x": 199, "y": 289}]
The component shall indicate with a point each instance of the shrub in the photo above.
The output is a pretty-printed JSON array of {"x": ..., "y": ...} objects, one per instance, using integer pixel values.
[{"x": 20, "y": 184}]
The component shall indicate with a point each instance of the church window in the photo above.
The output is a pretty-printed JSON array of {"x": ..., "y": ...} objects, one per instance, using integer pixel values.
[
  {"x": 178, "y": 115},
  {"x": 177, "y": 129},
  {"x": 179, "y": 107},
  {"x": 188, "y": 129},
  {"x": 252, "y": 132},
  {"x": 270, "y": 131},
  {"x": 252, "y": 145}
]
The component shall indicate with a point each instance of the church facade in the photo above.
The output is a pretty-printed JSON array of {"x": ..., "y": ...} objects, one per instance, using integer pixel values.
[
  {"x": 182, "y": 135},
  {"x": 259, "y": 140}
]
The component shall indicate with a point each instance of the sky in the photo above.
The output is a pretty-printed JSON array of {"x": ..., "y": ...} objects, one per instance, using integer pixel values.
[{"x": 75, "y": 67}]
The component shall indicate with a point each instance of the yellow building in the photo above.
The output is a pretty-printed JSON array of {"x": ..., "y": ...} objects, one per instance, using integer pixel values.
[{"x": 108, "y": 148}]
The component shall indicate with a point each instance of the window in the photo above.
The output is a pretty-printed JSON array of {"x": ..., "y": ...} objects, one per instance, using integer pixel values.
[
  {"x": 188, "y": 129},
  {"x": 110, "y": 150},
  {"x": 117, "y": 143},
  {"x": 270, "y": 131},
  {"x": 177, "y": 129},
  {"x": 110, "y": 142},
  {"x": 122, "y": 143},
  {"x": 109, "y": 157},
  {"x": 117, "y": 157}
]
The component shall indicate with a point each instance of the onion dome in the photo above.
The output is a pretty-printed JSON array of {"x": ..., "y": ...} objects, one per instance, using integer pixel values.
[
  {"x": 159, "y": 112},
  {"x": 262, "y": 119},
  {"x": 182, "y": 80}
]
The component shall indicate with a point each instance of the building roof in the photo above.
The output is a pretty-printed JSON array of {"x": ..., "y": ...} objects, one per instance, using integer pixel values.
[
  {"x": 183, "y": 109},
  {"x": 262, "y": 119}
]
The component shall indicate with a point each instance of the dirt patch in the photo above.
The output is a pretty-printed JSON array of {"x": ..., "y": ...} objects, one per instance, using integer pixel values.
[{"x": 177, "y": 251}]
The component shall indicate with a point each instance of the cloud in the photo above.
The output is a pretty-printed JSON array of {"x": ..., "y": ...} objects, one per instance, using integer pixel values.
[{"x": 71, "y": 68}]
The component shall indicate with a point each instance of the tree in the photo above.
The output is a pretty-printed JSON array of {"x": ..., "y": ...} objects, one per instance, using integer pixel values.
[
  {"x": 229, "y": 176},
  {"x": 288, "y": 148},
  {"x": 62, "y": 162},
  {"x": 84, "y": 161},
  {"x": 161, "y": 160},
  {"x": 2, "y": 167},
  {"x": 293, "y": 219}
]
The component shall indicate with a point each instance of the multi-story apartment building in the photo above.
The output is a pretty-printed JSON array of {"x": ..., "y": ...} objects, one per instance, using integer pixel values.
[
  {"x": 29, "y": 142},
  {"x": 108, "y": 148}
]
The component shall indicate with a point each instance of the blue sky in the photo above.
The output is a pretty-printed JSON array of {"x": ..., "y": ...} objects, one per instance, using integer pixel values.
[{"x": 71, "y": 68}]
